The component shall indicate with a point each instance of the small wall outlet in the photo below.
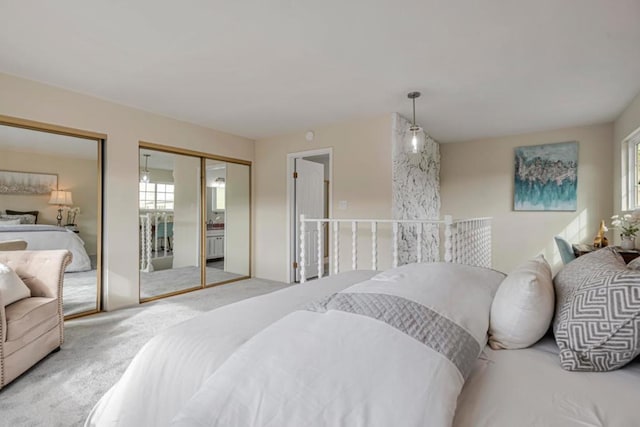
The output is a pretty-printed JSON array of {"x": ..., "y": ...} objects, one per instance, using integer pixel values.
[{"x": 343, "y": 205}]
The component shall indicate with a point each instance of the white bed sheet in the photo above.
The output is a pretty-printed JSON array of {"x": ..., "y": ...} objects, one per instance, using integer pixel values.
[
  {"x": 507, "y": 388},
  {"x": 529, "y": 388},
  {"x": 46, "y": 237}
]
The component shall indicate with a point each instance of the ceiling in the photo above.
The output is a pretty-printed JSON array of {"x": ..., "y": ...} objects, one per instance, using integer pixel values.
[
  {"x": 32, "y": 141},
  {"x": 270, "y": 67}
]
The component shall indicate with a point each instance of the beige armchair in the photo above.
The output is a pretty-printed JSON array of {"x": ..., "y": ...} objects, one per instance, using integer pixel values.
[{"x": 33, "y": 327}]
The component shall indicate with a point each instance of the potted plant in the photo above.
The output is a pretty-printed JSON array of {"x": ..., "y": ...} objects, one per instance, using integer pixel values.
[{"x": 628, "y": 225}]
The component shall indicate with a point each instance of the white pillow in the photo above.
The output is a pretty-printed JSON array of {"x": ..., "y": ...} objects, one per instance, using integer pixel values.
[
  {"x": 523, "y": 307},
  {"x": 11, "y": 287},
  {"x": 9, "y": 221}
]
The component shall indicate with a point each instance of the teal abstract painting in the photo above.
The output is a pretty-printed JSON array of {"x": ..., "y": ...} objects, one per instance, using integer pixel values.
[{"x": 546, "y": 177}]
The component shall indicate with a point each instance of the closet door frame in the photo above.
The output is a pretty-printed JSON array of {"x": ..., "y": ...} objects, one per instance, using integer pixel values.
[
  {"x": 100, "y": 139},
  {"x": 203, "y": 156}
]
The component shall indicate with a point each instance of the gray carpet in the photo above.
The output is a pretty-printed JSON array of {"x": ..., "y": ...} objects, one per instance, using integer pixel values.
[
  {"x": 62, "y": 389},
  {"x": 79, "y": 290}
]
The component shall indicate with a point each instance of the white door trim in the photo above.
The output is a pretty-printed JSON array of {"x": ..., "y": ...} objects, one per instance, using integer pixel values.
[{"x": 290, "y": 198}]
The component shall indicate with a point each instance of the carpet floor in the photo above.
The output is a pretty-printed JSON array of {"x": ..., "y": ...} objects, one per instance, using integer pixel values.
[{"x": 62, "y": 388}]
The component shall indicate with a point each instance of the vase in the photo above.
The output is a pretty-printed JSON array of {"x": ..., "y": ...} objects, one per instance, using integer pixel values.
[{"x": 628, "y": 242}]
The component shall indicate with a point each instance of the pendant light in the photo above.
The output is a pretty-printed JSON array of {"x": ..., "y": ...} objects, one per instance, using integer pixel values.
[
  {"x": 414, "y": 136},
  {"x": 145, "y": 175}
]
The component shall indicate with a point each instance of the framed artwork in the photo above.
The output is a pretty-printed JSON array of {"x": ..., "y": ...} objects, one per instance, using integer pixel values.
[
  {"x": 27, "y": 182},
  {"x": 546, "y": 177}
]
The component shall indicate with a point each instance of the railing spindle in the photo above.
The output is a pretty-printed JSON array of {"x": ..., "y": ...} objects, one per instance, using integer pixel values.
[
  {"x": 320, "y": 251},
  {"x": 145, "y": 246},
  {"x": 143, "y": 255},
  {"x": 448, "y": 221},
  {"x": 419, "y": 242},
  {"x": 374, "y": 245},
  {"x": 354, "y": 245},
  {"x": 395, "y": 244},
  {"x": 336, "y": 247}
]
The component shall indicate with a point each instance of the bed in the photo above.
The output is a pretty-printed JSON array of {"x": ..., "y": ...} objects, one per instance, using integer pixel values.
[
  {"x": 291, "y": 358},
  {"x": 46, "y": 237}
]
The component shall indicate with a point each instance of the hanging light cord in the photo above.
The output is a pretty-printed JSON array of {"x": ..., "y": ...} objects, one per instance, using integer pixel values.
[{"x": 414, "y": 111}]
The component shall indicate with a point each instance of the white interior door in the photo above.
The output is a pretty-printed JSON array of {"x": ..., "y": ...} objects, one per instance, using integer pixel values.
[{"x": 309, "y": 200}]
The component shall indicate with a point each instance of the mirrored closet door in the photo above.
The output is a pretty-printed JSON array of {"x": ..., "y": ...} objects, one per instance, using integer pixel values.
[
  {"x": 169, "y": 207},
  {"x": 50, "y": 196},
  {"x": 227, "y": 221},
  {"x": 194, "y": 221}
]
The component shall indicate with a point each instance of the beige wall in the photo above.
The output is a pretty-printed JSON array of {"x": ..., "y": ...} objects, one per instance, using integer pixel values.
[
  {"x": 76, "y": 175},
  {"x": 624, "y": 125},
  {"x": 124, "y": 127},
  {"x": 477, "y": 180},
  {"x": 361, "y": 176}
]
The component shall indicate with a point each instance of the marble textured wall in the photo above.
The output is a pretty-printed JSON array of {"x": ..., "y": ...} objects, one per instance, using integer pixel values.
[{"x": 416, "y": 192}]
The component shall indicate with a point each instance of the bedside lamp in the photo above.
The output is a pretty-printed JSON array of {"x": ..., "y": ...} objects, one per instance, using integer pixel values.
[{"x": 60, "y": 198}]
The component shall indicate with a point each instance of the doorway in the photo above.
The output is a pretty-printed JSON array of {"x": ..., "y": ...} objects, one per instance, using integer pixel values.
[{"x": 309, "y": 186}]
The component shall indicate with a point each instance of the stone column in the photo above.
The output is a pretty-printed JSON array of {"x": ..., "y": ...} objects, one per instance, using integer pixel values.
[{"x": 416, "y": 192}]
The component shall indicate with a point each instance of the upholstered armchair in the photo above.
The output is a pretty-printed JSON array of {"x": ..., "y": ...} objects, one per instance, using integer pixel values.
[{"x": 33, "y": 327}]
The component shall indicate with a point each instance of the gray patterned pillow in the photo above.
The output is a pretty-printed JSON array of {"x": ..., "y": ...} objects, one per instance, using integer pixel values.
[{"x": 597, "y": 322}]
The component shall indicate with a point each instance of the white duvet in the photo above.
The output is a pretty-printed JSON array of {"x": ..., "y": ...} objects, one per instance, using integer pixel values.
[
  {"x": 338, "y": 368},
  {"x": 47, "y": 237},
  {"x": 310, "y": 368}
]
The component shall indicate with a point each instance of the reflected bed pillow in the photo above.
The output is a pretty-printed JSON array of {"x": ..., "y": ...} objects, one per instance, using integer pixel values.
[
  {"x": 24, "y": 218},
  {"x": 9, "y": 221},
  {"x": 34, "y": 213},
  {"x": 523, "y": 307},
  {"x": 597, "y": 323}
]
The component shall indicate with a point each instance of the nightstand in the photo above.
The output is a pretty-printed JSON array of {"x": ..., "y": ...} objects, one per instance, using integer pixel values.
[{"x": 627, "y": 254}]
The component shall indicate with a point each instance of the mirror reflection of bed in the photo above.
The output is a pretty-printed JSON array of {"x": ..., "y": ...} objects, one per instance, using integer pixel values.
[
  {"x": 49, "y": 197},
  {"x": 174, "y": 215}
]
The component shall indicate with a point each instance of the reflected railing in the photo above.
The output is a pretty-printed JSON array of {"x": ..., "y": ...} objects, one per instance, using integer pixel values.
[{"x": 156, "y": 232}]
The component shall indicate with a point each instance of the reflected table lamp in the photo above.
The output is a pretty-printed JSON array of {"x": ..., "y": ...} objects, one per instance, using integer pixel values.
[{"x": 60, "y": 198}]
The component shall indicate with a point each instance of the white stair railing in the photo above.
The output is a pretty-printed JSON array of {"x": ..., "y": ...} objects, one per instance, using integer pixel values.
[{"x": 466, "y": 241}]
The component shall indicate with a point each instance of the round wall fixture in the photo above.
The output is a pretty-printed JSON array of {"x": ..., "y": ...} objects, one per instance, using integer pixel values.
[{"x": 309, "y": 136}]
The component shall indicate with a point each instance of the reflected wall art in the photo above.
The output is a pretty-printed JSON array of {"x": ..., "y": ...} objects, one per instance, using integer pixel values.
[{"x": 12, "y": 182}]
